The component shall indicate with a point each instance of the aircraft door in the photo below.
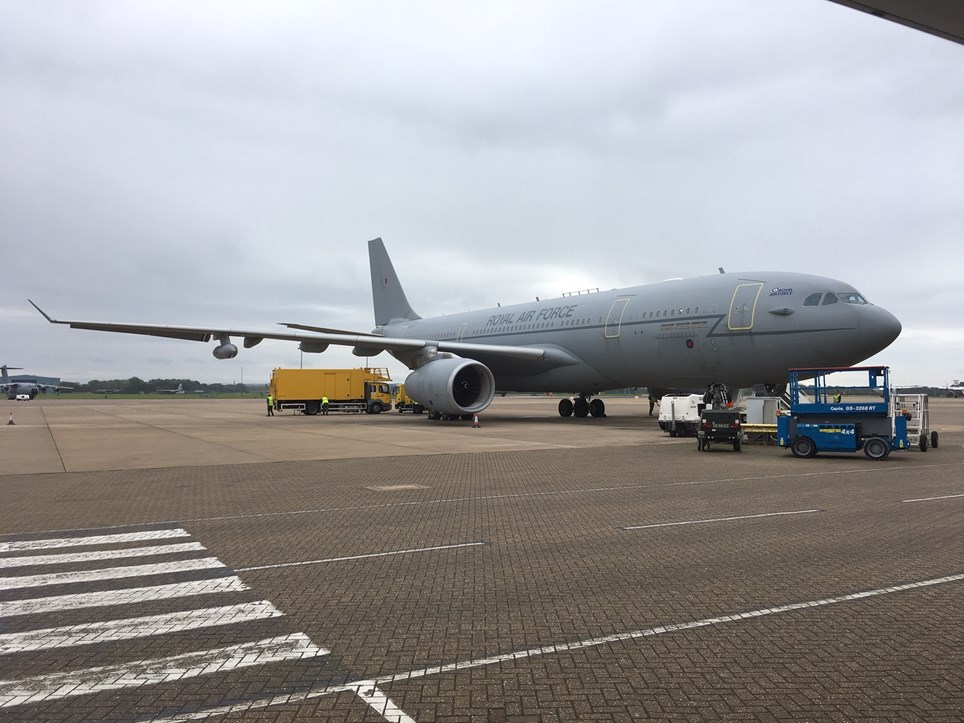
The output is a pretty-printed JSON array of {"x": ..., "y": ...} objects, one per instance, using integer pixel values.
[
  {"x": 743, "y": 306},
  {"x": 462, "y": 330},
  {"x": 615, "y": 318}
]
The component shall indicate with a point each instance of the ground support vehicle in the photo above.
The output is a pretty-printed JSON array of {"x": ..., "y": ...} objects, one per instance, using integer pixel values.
[
  {"x": 680, "y": 414},
  {"x": 720, "y": 426},
  {"x": 366, "y": 389},
  {"x": 404, "y": 403},
  {"x": 914, "y": 409},
  {"x": 834, "y": 418}
]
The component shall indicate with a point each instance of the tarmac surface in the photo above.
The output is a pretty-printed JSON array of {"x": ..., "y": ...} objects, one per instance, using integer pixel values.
[{"x": 191, "y": 559}]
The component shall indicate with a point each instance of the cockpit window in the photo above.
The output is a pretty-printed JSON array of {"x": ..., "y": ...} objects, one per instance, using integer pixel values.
[
  {"x": 851, "y": 297},
  {"x": 813, "y": 299},
  {"x": 829, "y": 299}
]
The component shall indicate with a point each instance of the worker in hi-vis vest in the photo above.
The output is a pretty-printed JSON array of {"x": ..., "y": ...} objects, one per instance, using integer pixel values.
[
  {"x": 324, "y": 405},
  {"x": 270, "y": 401}
]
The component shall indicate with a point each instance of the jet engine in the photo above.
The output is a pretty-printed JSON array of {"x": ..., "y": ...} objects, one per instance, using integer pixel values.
[
  {"x": 226, "y": 350},
  {"x": 452, "y": 386}
]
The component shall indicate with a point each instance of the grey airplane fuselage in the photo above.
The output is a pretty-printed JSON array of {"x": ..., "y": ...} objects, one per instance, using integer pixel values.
[{"x": 742, "y": 329}]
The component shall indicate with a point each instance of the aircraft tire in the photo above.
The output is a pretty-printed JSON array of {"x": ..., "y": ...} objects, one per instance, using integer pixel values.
[
  {"x": 597, "y": 408},
  {"x": 934, "y": 439},
  {"x": 581, "y": 408},
  {"x": 565, "y": 407},
  {"x": 876, "y": 449}
]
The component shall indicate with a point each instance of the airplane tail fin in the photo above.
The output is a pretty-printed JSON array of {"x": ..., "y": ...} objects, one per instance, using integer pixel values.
[{"x": 387, "y": 294}]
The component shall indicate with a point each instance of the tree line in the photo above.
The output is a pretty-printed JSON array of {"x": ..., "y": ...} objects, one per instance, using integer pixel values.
[{"x": 136, "y": 385}]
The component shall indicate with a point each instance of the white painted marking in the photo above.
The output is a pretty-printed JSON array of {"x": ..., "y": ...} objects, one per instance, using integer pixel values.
[
  {"x": 70, "y": 557},
  {"x": 126, "y": 629},
  {"x": 91, "y": 540},
  {"x": 367, "y": 691},
  {"x": 109, "y": 573},
  {"x": 928, "y": 499},
  {"x": 360, "y": 557},
  {"x": 159, "y": 670},
  {"x": 720, "y": 519},
  {"x": 105, "y": 598},
  {"x": 549, "y": 649}
]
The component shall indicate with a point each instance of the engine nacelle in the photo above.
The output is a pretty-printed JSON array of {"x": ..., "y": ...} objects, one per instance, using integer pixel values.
[
  {"x": 452, "y": 386},
  {"x": 225, "y": 351},
  {"x": 313, "y": 347}
]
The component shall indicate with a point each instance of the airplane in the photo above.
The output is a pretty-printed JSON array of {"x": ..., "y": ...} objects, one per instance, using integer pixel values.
[
  {"x": 23, "y": 391},
  {"x": 956, "y": 389},
  {"x": 179, "y": 390},
  {"x": 737, "y": 328}
]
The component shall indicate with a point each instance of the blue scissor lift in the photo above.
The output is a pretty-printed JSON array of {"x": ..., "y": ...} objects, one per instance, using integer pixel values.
[{"x": 842, "y": 418}]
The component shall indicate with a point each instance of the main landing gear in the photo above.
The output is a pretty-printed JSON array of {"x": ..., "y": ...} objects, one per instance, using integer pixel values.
[{"x": 582, "y": 406}]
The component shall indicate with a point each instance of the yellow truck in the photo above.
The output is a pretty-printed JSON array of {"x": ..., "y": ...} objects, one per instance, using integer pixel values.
[
  {"x": 404, "y": 403},
  {"x": 367, "y": 389}
]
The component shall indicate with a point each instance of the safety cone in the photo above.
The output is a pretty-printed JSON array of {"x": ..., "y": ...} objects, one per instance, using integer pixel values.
[
  {"x": 10, "y": 421},
  {"x": 475, "y": 421}
]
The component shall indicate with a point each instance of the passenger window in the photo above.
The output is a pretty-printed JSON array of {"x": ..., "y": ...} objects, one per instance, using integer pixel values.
[
  {"x": 829, "y": 299},
  {"x": 813, "y": 299}
]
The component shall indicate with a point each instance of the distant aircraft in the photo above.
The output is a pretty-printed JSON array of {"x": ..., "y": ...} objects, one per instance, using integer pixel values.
[
  {"x": 956, "y": 389},
  {"x": 179, "y": 390},
  {"x": 23, "y": 390},
  {"x": 738, "y": 328}
]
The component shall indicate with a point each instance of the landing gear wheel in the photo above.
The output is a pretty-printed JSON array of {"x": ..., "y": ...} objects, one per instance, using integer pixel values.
[
  {"x": 934, "y": 440},
  {"x": 597, "y": 408},
  {"x": 581, "y": 408},
  {"x": 876, "y": 449},
  {"x": 922, "y": 443},
  {"x": 803, "y": 447},
  {"x": 565, "y": 407}
]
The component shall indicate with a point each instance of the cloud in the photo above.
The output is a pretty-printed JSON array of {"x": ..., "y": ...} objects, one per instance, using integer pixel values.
[{"x": 225, "y": 163}]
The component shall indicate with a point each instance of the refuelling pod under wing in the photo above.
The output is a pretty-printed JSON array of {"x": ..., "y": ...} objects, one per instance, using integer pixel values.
[{"x": 452, "y": 386}]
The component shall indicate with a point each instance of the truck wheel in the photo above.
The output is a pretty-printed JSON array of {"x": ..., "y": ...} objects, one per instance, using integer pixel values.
[
  {"x": 922, "y": 443},
  {"x": 934, "y": 440},
  {"x": 876, "y": 449},
  {"x": 312, "y": 408},
  {"x": 418, "y": 409},
  {"x": 803, "y": 447},
  {"x": 375, "y": 408}
]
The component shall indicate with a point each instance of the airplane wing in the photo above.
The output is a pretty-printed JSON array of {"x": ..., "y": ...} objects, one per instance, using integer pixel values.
[{"x": 320, "y": 340}]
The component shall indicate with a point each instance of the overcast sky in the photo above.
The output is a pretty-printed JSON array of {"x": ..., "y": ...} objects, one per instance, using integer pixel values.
[{"x": 203, "y": 163}]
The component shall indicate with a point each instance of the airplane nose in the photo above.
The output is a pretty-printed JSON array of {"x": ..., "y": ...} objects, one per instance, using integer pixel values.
[{"x": 878, "y": 329}]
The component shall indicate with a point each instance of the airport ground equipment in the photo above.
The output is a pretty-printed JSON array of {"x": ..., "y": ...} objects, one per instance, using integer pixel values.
[
  {"x": 760, "y": 421},
  {"x": 680, "y": 414},
  {"x": 720, "y": 423},
  {"x": 830, "y": 417},
  {"x": 366, "y": 389},
  {"x": 914, "y": 409},
  {"x": 404, "y": 403}
]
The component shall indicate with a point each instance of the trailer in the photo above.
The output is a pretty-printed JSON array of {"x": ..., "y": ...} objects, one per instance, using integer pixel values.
[
  {"x": 830, "y": 417},
  {"x": 366, "y": 389}
]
